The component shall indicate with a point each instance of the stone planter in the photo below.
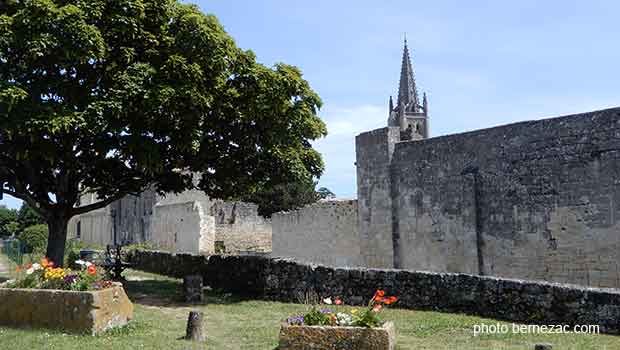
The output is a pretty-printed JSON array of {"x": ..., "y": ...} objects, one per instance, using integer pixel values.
[
  {"x": 337, "y": 338},
  {"x": 77, "y": 312}
]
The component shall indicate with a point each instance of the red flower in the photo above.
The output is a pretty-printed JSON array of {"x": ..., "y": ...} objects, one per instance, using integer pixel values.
[
  {"x": 338, "y": 301},
  {"x": 92, "y": 270},
  {"x": 390, "y": 300}
]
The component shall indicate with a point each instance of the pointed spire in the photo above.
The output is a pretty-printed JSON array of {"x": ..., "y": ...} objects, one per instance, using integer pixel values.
[
  {"x": 425, "y": 103},
  {"x": 407, "y": 90},
  {"x": 391, "y": 104}
]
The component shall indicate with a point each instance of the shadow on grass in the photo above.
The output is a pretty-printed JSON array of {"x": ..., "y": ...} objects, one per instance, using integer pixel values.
[
  {"x": 3, "y": 279},
  {"x": 170, "y": 294}
]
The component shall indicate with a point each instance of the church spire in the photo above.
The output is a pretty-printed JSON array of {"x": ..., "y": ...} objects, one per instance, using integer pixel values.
[{"x": 407, "y": 90}]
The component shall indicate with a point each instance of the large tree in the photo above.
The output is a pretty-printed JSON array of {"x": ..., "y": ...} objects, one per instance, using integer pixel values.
[{"x": 111, "y": 96}]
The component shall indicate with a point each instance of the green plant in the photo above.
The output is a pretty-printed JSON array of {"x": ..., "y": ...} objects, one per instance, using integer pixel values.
[
  {"x": 34, "y": 238},
  {"x": 115, "y": 97}
]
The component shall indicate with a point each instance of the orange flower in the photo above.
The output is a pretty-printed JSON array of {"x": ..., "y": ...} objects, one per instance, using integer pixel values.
[
  {"x": 18, "y": 269},
  {"x": 45, "y": 262},
  {"x": 92, "y": 270},
  {"x": 377, "y": 308},
  {"x": 380, "y": 293},
  {"x": 390, "y": 300},
  {"x": 378, "y": 299},
  {"x": 338, "y": 301}
]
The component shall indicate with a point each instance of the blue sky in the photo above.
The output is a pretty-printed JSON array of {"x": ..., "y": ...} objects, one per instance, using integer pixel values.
[{"x": 482, "y": 63}]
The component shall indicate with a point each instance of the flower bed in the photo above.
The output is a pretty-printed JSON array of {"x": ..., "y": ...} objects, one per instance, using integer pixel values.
[
  {"x": 45, "y": 276},
  {"x": 325, "y": 328},
  {"x": 89, "y": 312},
  {"x": 80, "y": 301}
]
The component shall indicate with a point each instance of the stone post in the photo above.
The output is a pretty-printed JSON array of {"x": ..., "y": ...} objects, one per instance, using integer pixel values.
[
  {"x": 192, "y": 288},
  {"x": 195, "y": 329}
]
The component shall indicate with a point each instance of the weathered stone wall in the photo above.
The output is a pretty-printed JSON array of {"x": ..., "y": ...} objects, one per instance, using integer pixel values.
[
  {"x": 533, "y": 200},
  {"x": 94, "y": 227},
  {"x": 173, "y": 222},
  {"x": 183, "y": 227},
  {"x": 374, "y": 153},
  {"x": 507, "y": 299},
  {"x": 239, "y": 228},
  {"x": 325, "y": 233}
]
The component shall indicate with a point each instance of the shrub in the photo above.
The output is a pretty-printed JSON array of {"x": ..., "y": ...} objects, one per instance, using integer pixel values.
[{"x": 34, "y": 238}]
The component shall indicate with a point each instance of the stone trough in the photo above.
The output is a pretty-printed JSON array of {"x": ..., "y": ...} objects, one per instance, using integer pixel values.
[
  {"x": 337, "y": 338},
  {"x": 90, "y": 312}
]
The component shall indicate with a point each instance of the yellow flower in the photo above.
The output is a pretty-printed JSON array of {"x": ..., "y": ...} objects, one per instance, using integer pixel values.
[
  {"x": 54, "y": 273},
  {"x": 354, "y": 311}
]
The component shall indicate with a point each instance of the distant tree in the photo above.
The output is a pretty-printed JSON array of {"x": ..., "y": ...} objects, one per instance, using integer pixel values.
[
  {"x": 27, "y": 216},
  {"x": 8, "y": 221},
  {"x": 325, "y": 193},
  {"x": 110, "y": 97},
  {"x": 287, "y": 196}
]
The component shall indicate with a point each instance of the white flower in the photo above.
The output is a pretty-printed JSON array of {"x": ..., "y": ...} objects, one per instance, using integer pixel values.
[
  {"x": 88, "y": 263},
  {"x": 80, "y": 262},
  {"x": 327, "y": 301},
  {"x": 344, "y": 319},
  {"x": 36, "y": 267},
  {"x": 30, "y": 271}
]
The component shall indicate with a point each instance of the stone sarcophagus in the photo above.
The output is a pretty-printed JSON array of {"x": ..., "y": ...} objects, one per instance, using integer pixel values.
[
  {"x": 90, "y": 312},
  {"x": 337, "y": 338}
]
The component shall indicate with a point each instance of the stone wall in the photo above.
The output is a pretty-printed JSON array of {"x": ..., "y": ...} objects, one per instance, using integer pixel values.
[
  {"x": 533, "y": 200},
  {"x": 183, "y": 227},
  {"x": 506, "y": 299},
  {"x": 186, "y": 222},
  {"x": 239, "y": 228},
  {"x": 325, "y": 233},
  {"x": 543, "y": 197},
  {"x": 374, "y": 192}
]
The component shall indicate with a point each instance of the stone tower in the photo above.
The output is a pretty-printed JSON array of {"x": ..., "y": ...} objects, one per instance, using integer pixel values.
[{"x": 410, "y": 114}]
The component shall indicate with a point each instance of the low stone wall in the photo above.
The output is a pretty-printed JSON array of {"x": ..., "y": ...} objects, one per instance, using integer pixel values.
[
  {"x": 505, "y": 299},
  {"x": 78, "y": 312}
]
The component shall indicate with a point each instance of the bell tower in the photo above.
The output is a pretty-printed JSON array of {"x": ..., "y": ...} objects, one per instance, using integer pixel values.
[{"x": 410, "y": 114}]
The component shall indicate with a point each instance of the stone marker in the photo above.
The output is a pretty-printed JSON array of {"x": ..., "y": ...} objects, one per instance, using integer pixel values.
[
  {"x": 192, "y": 287},
  {"x": 543, "y": 347},
  {"x": 195, "y": 330}
]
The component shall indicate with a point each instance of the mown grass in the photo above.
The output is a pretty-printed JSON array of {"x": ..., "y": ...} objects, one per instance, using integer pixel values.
[{"x": 233, "y": 323}]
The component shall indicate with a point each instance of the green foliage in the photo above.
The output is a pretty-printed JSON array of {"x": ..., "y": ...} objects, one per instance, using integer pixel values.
[
  {"x": 287, "y": 196},
  {"x": 26, "y": 217},
  {"x": 35, "y": 238},
  {"x": 315, "y": 317},
  {"x": 8, "y": 219},
  {"x": 325, "y": 193},
  {"x": 116, "y": 96}
]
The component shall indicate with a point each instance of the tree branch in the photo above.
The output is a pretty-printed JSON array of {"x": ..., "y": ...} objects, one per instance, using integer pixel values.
[{"x": 95, "y": 206}]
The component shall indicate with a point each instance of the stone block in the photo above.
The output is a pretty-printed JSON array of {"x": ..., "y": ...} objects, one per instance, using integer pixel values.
[
  {"x": 90, "y": 312},
  {"x": 192, "y": 288},
  {"x": 337, "y": 338}
]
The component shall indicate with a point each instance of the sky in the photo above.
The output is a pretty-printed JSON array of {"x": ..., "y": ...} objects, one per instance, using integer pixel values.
[{"x": 481, "y": 63}]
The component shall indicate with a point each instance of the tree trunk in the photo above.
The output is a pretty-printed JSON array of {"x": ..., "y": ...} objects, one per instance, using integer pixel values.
[
  {"x": 57, "y": 238},
  {"x": 195, "y": 330}
]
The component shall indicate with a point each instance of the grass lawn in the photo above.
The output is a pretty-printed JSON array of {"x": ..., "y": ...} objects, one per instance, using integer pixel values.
[{"x": 247, "y": 324}]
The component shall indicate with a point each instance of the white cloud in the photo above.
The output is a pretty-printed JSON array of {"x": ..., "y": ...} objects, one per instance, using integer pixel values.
[{"x": 338, "y": 148}]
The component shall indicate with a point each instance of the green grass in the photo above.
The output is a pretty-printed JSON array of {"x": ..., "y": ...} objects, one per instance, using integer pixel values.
[{"x": 234, "y": 323}]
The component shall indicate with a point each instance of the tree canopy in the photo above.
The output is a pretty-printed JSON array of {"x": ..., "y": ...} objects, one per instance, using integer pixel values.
[
  {"x": 110, "y": 97},
  {"x": 287, "y": 196},
  {"x": 8, "y": 221}
]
